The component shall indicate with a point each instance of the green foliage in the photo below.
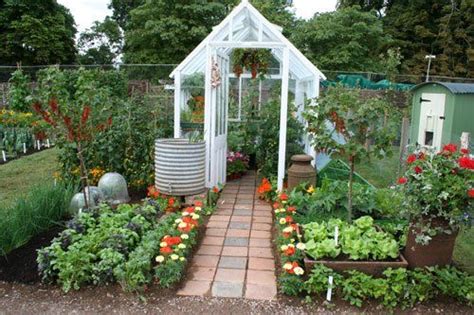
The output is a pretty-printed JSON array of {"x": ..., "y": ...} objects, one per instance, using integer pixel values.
[
  {"x": 101, "y": 44},
  {"x": 36, "y": 33},
  {"x": 345, "y": 40},
  {"x": 290, "y": 284},
  {"x": 19, "y": 91},
  {"x": 360, "y": 241},
  {"x": 44, "y": 206},
  {"x": 317, "y": 282}
]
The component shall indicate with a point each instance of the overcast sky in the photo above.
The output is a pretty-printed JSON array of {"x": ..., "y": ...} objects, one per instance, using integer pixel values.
[{"x": 87, "y": 11}]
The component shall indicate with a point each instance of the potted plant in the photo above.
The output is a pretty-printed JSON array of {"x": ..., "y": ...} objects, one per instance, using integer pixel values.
[
  {"x": 237, "y": 165},
  {"x": 256, "y": 61},
  {"x": 439, "y": 193}
]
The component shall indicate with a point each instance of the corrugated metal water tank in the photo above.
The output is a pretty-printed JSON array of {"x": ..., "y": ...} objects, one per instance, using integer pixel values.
[{"x": 180, "y": 168}]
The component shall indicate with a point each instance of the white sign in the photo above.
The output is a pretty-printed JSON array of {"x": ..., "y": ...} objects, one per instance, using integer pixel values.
[
  {"x": 336, "y": 235},
  {"x": 329, "y": 293},
  {"x": 24, "y": 148},
  {"x": 4, "y": 156}
]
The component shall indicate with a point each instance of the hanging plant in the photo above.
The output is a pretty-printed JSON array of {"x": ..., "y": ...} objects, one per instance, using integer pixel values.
[{"x": 256, "y": 61}]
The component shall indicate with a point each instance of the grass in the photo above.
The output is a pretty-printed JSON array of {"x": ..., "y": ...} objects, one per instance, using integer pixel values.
[{"x": 18, "y": 176}]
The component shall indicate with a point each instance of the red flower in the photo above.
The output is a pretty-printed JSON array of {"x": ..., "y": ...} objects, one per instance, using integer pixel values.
[
  {"x": 190, "y": 221},
  {"x": 215, "y": 189},
  {"x": 289, "y": 219},
  {"x": 470, "y": 193},
  {"x": 186, "y": 229},
  {"x": 402, "y": 180},
  {"x": 166, "y": 250},
  {"x": 466, "y": 162},
  {"x": 411, "y": 158},
  {"x": 283, "y": 197},
  {"x": 85, "y": 114},
  {"x": 276, "y": 205},
  {"x": 171, "y": 202},
  {"x": 153, "y": 192},
  {"x": 291, "y": 209},
  {"x": 450, "y": 148},
  {"x": 290, "y": 251},
  {"x": 264, "y": 187},
  {"x": 198, "y": 203},
  {"x": 172, "y": 240},
  {"x": 465, "y": 151},
  {"x": 189, "y": 210},
  {"x": 109, "y": 121},
  {"x": 418, "y": 170}
]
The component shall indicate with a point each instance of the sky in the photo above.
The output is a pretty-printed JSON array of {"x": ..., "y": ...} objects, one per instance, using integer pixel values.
[{"x": 85, "y": 12}]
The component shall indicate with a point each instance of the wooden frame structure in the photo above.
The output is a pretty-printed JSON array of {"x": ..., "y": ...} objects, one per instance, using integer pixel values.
[{"x": 244, "y": 27}]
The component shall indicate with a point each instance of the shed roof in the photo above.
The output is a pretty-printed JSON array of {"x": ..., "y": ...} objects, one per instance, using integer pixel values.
[
  {"x": 453, "y": 87},
  {"x": 247, "y": 25}
]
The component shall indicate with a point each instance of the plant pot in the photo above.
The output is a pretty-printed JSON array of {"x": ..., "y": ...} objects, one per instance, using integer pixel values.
[{"x": 438, "y": 252}]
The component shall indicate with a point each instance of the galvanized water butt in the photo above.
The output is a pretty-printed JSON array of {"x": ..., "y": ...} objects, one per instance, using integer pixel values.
[
  {"x": 301, "y": 171},
  {"x": 180, "y": 167}
]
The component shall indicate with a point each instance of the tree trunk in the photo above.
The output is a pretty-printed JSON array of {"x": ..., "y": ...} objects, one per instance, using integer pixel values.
[
  {"x": 84, "y": 181},
  {"x": 351, "y": 179}
]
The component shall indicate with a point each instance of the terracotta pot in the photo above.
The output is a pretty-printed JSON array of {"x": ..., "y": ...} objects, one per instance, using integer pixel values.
[{"x": 438, "y": 252}]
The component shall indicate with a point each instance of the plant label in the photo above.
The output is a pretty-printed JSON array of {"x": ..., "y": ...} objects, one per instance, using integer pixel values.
[
  {"x": 336, "y": 235},
  {"x": 24, "y": 148},
  {"x": 329, "y": 292},
  {"x": 47, "y": 143},
  {"x": 4, "y": 156},
  {"x": 38, "y": 144}
]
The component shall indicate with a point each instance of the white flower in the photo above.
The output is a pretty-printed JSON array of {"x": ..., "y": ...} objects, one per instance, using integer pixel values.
[
  {"x": 298, "y": 271},
  {"x": 291, "y": 245},
  {"x": 185, "y": 214},
  {"x": 288, "y": 229},
  {"x": 197, "y": 209},
  {"x": 288, "y": 266},
  {"x": 159, "y": 259},
  {"x": 182, "y": 258},
  {"x": 196, "y": 216},
  {"x": 182, "y": 246},
  {"x": 184, "y": 236},
  {"x": 182, "y": 225},
  {"x": 282, "y": 210},
  {"x": 174, "y": 257},
  {"x": 301, "y": 246},
  {"x": 292, "y": 240},
  {"x": 284, "y": 247},
  {"x": 178, "y": 221},
  {"x": 163, "y": 244},
  {"x": 282, "y": 221}
]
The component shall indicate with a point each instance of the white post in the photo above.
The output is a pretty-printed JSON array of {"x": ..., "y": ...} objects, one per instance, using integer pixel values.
[
  {"x": 283, "y": 117},
  {"x": 465, "y": 140},
  {"x": 208, "y": 113},
  {"x": 177, "y": 105}
]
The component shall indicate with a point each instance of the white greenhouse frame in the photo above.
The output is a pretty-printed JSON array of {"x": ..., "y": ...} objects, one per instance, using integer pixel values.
[{"x": 244, "y": 27}]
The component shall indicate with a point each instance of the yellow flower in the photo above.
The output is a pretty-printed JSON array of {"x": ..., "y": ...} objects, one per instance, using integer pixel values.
[
  {"x": 182, "y": 246},
  {"x": 195, "y": 216},
  {"x": 301, "y": 246},
  {"x": 174, "y": 257},
  {"x": 310, "y": 190},
  {"x": 288, "y": 266},
  {"x": 283, "y": 248},
  {"x": 182, "y": 258},
  {"x": 298, "y": 271},
  {"x": 282, "y": 221},
  {"x": 159, "y": 259},
  {"x": 185, "y": 236}
]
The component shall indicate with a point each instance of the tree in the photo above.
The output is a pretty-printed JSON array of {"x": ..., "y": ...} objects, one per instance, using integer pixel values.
[
  {"x": 100, "y": 44},
  {"x": 36, "y": 32},
  {"x": 344, "y": 113},
  {"x": 121, "y": 10},
  {"x": 348, "y": 39},
  {"x": 366, "y": 5}
]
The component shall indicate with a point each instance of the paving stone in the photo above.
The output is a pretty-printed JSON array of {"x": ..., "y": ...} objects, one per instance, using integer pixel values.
[
  {"x": 260, "y": 234},
  {"x": 227, "y": 200},
  {"x": 243, "y": 212},
  {"x": 261, "y": 202},
  {"x": 243, "y": 196},
  {"x": 224, "y": 211},
  {"x": 219, "y": 218},
  {"x": 215, "y": 232},
  {"x": 261, "y": 277},
  {"x": 217, "y": 224},
  {"x": 202, "y": 273},
  {"x": 225, "y": 205},
  {"x": 227, "y": 289},
  {"x": 260, "y": 292},
  {"x": 209, "y": 250},
  {"x": 241, "y": 218},
  {"x": 260, "y": 207},
  {"x": 261, "y": 252},
  {"x": 230, "y": 275},
  {"x": 262, "y": 220},
  {"x": 239, "y": 226},
  {"x": 239, "y": 206},
  {"x": 192, "y": 287},
  {"x": 213, "y": 240},
  {"x": 261, "y": 227},
  {"x": 235, "y": 251},
  {"x": 233, "y": 262},
  {"x": 205, "y": 261},
  {"x": 264, "y": 214},
  {"x": 238, "y": 232},
  {"x": 261, "y": 264},
  {"x": 260, "y": 242},
  {"x": 236, "y": 241},
  {"x": 247, "y": 202}
]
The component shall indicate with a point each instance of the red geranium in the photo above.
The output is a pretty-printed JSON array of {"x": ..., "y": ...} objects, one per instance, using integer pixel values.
[
  {"x": 402, "y": 180},
  {"x": 276, "y": 205},
  {"x": 189, "y": 210},
  {"x": 190, "y": 221},
  {"x": 470, "y": 193},
  {"x": 264, "y": 187},
  {"x": 411, "y": 158},
  {"x": 450, "y": 148},
  {"x": 418, "y": 170},
  {"x": 466, "y": 162},
  {"x": 464, "y": 151},
  {"x": 185, "y": 229},
  {"x": 171, "y": 202}
]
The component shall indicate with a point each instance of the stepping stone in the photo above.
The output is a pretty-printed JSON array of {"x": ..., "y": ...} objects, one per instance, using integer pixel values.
[
  {"x": 261, "y": 277},
  {"x": 227, "y": 289},
  {"x": 230, "y": 275},
  {"x": 238, "y": 232},
  {"x": 243, "y": 212},
  {"x": 233, "y": 262},
  {"x": 261, "y": 227},
  {"x": 261, "y": 264},
  {"x": 239, "y": 226},
  {"x": 260, "y": 234},
  {"x": 205, "y": 261},
  {"x": 260, "y": 292},
  {"x": 215, "y": 232},
  {"x": 202, "y": 273},
  {"x": 199, "y": 288},
  {"x": 209, "y": 250},
  {"x": 260, "y": 242},
  {"x": 243, "y": 219},
  {"x": 213, "y": 240},
  {"x": 260, "y": 252},
  {"x": 236, "y": 241},
  {"x": 235, "y": 251}
]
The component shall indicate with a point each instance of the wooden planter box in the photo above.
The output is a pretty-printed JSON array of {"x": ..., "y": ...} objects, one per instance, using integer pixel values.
[{"x": 374, "y": 268}]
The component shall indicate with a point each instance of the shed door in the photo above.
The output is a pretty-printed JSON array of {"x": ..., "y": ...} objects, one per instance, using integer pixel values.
[
  {"x": 431, "y": 120},
  {"x": 218, "y": 131}
]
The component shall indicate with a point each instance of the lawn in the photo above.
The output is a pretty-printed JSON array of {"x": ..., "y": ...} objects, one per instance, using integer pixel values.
[{"x": 16, "y": 177}]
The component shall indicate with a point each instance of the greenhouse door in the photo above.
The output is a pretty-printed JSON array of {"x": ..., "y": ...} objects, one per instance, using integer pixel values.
[
  {"x": 431, "y": 120},
  {"x": 218, "y": 133}
]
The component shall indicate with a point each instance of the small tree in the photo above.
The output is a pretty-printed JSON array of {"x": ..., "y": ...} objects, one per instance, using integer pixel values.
[
  {"x": 76, "y": 128},
  {"x": 344, "y": 123}
]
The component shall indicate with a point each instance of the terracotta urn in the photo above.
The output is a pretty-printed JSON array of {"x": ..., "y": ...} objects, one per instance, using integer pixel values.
[{"x": 301, "y": 171}]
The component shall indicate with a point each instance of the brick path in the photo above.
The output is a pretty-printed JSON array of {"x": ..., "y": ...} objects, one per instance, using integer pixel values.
[{"x": 235, "y": 258}]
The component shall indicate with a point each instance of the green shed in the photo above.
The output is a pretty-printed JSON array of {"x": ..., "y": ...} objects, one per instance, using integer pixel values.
[{"x": 441, "y": 112}]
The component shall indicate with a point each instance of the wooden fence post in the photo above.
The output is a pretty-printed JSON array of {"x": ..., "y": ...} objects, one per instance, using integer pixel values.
[{"x": 403, "y": 144}]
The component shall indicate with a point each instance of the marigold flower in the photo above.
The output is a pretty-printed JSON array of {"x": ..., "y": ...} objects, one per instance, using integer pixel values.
[
  {"x": 166, "y": 250},
  {"x": 283, "y": 248},
  {"x": 282, "y": 221},
  {"x": 195, "y": 216},
  {"x": 184, "y": 236},
  {"x": 290, "y": 251},
  {"x": 198, "y": 208},
  {"x": 298, "y": 271},
  {"x": 163, "y": 244},
  {"x": 288, "y": 266},
  {"x": 182, "y": 225},
  {"x": 160, "y": 259},
  {"x": 182, "y": 246},
  {"x": 310, "y": 190},
  {"x": 301, "y": 246},
  {"x": 182, "y": 259},
  {"x": 174, "y": 257},
  {"x": 292, "y": 209},
  {"x": 198, "y": 203},
  {"x": 283, "y": 197}
]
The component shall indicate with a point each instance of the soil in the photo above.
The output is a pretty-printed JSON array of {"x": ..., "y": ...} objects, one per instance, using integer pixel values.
[{"x": 20, "y": 264}]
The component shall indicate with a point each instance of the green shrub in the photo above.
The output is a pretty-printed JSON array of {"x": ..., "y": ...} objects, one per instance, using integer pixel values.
[{"x": 43, "y": 206}]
